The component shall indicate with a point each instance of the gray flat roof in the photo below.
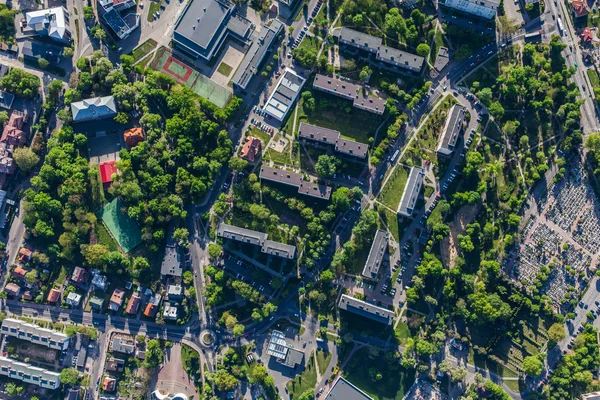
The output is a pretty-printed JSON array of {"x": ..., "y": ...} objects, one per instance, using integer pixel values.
[
  {"x": 315, "y": 190},
  {"x": 202, "y": 20},
  {"x": 281, "y": 176},
  {"x": 344, "y": 390},
  {"x": 391, "y": 55},
  {"x": 367, "y": 310},
  {"x": 376, "y": 254},
  {"x": 374, "y": 104},
  {"x": 294, "y": 357},
  {"x": 331, "y": 136},
  {"x": 241, "y": 234},
  {"x": 256, "y": 53},
  {"x": 411, "y": 191},
  {"x": 360, "y": 39},
  {"x": 343, "y": 88},
  {"x": 284, "y": 95},
  {"x": 256, "y": 238},
  {"x": 452, "y": 128}
]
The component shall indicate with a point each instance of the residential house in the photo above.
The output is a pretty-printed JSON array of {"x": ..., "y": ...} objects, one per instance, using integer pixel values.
[
  {"x": 33, "y": 51},
  {"x": 52, "y": 23},
  {"x": 79, "y": 276},
  {"x": 35, "y": 334},
  {"x": 13, "y": 130},
  {"x": 25, "y": 255},
  {"x": 12, "y": 289},
  {"x": 586, "y": 35},
  {"x": 20, "y": 272},
  {"x": 6, "y": 99},
  {"x": 140, "y": 354},
  {"x": 29, "y": 374},
  {"x": 73, "y": 299},
  {"x": 109, "y": 384},
  {"x": 107, "y": 170},
  {"x": 115, "y": 364},
  {"x": 96, "y": 303},
  {"x": 153, "y": 306},
  {"x": 171, "y": 264},
  {"x": 123, "y": 345},
  {"x": 99, "y": 281},
  {"x": 174, "y": 292},
  {"x": 580, "y": 8},
  {"x": 27, "y": 295},
  {"x": 170, "y": 312},
  {"x": 251, "y": 151},
  {"x": 116, "y": 300},
  {"x": 134, "y": 304},
  {"x": 54, "y": 295},
  {"x": 94, "y": 109},
  {"x": 133, "y": 136}
]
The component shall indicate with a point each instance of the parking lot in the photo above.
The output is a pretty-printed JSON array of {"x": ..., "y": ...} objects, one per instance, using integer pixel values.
[{"x": 244, "y": 271}]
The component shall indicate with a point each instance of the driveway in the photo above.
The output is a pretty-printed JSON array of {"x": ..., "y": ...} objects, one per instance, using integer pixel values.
[{"x": 171, "y": 376}]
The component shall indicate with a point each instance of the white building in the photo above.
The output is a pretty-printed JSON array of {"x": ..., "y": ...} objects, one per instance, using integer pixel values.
[
  {"x": 35, "y": 334},
  {"x": 411, "y": 191},
  {"x": 52, "y": 22},
  {"x": 73, "y": 299},
  {"x": 170, "y": 312},
  {"x": 284, "y": 96},
  {"x": 29, "y": 374}
]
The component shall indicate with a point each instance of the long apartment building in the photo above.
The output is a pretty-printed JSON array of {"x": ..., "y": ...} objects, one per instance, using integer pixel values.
[
  {"x": 256, "y": 238},
  {"x": 386, "y": 54},
  {"x": 452, "y": 129},
  {"x": 484, "y": 9},
  {"x": 284, "y": 96},
  {"x": 350, "y": 91},
  {"x": 367, "y": 310},
  {"x": 295, "y": 180},
  {"x": 332, "y": 137},
  {"x": 376, "y": 254},
  {"x": 29, "y": 374},
  {"x": 411, "y": 191},
  {"x": 35, "y": 334}
]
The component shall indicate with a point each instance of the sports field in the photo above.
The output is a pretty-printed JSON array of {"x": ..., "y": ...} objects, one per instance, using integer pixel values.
[
  {"x": 188, "y": 76},
  {"x": 120, "y": 225}
]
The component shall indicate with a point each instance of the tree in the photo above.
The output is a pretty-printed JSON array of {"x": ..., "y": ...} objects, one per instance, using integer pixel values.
[
  {"x": 69, "y": 376},
  {"x": 188, "y": 277},
  {"x": 214, "y": 250},
  {"x": 121, "y": 118},
  {"x": 423, "y": 50},
  {"x": 532, "y": 365},
  {"x": 88, "y": 12},
  {"x": 31, "y": 277},
  {"x": 43, "y": 63},
  {"x": 327, "y": 166},
  {"x": 496, "y": 110},
  {"x": 14, "y": 390},
  {"x": 98, "y": 33},
  {"x": 181, "y": 235},
  {"x": 365, "y": 73},
  {"x": 307, "y": 395},
  {"x": 25, "y": 158},
  {"x": 68, "y": 52},
  {"x": 154, "y": 354},
  {"x": 21, "y": 83},
  {"x": 556, "y": 332},
  {"x": 238, "y": 330},
  {"x": 485, "y": 95},
  {"x": 224, "y": 380},
  {"x": 237, "y": 164}
]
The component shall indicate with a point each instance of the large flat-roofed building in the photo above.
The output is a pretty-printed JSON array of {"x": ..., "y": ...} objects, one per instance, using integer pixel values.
[
  {"x": 256, "y": 238},
  {"x": 452, "y": 128},
  {"x": 591, "y": 396},
  {"x": 319, "y": 134},
  {"x": 35, "y": 334},
  {"x": 285, "y": 94},
  {"x": 204, "y": 25},
  {"x": 284, "y": 353},
  {"x": 485, "y": 9},
  {"x": 376, "y": 254},
  {"x": 256, "y": 54},
  {"x": 411, "y": 191},
  {"x": 350, "y": 91},
  {"x": 367, "y": 310},
  {"x": 295, "y": 180},
  {"x": 120, "y": 21},
  {"x": 388, "y": 55},
  {"x": 29, "y": 374},
  {"x": 344, "y": 390}
]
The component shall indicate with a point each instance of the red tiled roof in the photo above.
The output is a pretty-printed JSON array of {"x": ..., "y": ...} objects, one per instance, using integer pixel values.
[
  {"x": 108, "y": 384},
  {"x": 150, "y": 310},
  {"x": 251, "y": 148},
  {"x": 107, "y": 169},
  {"x": 580, "y": 8},
  {"x": 79, "y": 275},
  {"x": 12, "y": 133},
  {"x": 132, "y": 306},
  {"x": 13, "y": 289},
  {"x": 53, "y": 295},
  {"x": 133, "y": 136},
  {"x": 587, "y": 35},
  {"x": 20, "y": 272},
  {"x": 117, "y": 296},
  {"x": 25, "y": 254}
]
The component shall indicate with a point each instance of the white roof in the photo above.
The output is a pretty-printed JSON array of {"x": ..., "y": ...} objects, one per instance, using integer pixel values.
[
  {"x": 74, "y": 297},
  {"x": 33, "y": 330},
  {"x": 29, "y": 373},
  {"x": 54, "y": 18}
]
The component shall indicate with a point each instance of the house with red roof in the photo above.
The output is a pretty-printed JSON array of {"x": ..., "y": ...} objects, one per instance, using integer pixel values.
[
  {"x": 133, "y": 136},
  {"x": 107, "y": 170},
  {"x": 13, "y": 133},
  {"x": 586, "y": 35},
  {"x": 25, "y": 255},
  {"x": 251, "y": 149},
  {"x": 54, "y": 295},
  {"x": 133, "y": 304},
  {"x": 580, "y": 8}
]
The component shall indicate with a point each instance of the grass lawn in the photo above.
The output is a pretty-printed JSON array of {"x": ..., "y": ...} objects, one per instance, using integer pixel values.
[
  {"x": 393, "y": 385},
  {"x": 428, "y": 190},
  {"x": 98, "y": 199},
  {"x": 392, "y": 192},
  {"x": 104, "y": 237},
  {"x": 357, "y": 263},
  {"x": 438, "y": 41},
  {"x": 224, "y": 69},
  {"x": 323, "y": 359},
  {"x": 263, "y": 136},
  {"x": 402, "y": 332},
  {"x": 140, "y": 52},
  {"x": 593, "y": 77},
  {"x": 144, "y": 62},
  {"x": 191, "y": 361},
  {"x": 154, "y": 7},
  {"x": 303, "y": 382},
  {"x": 513, "y": 385},
  {"x": 284, "y": 157},
  {"x": 60, "y": 280}
]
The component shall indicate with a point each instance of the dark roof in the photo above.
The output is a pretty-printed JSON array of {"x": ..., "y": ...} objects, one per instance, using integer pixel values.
[
  {"x": 6, "y": 100},
  {"x": 330, "y": 136},
  {"x": 46, "y": 51},
  {"x": 376, "y": 254},
  {"x": 367, "y": 310},
  {"x": 274, "y": 248},
  {"x": 452, "y": 128},
  {"x": 315, "y": 190},
  {"x": 295, "y": 180},
  {"x": 256, "y": 238},
  {"x": 81, "y": 357},
  {"x": 411, "y": 191},
  {"x": 360, "y": 39},
  {"x": 293, "y": 358},
  {"x": 343, "y": 88},
  {"x": 370, "y": 103},
  {"x": 344, "y": 390},
  {"x": 351, "y": 147},
  {"x": 392, "y": 55},
  {"x": 256, "y": 53}
]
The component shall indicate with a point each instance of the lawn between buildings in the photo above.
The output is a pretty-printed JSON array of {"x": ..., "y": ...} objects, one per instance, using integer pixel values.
[
  {"x": 142, "y": 50},
  {"x": 305, "y": 381},
  {"x": 391, "y": 194}
]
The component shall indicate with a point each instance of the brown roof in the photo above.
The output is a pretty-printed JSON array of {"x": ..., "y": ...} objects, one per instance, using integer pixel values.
[
  {"x": 79, "y": 275},
  {"x": 53, "y": 295},
  {"x": 117, "y": 296},
  {"x": 251, "y": 149},
  {"x": 133, "y": 305},
  {"x": 20, "y": 272},
  {"x": 27, "y": 295},
  {"x": 580, "y": 8},
  {"x": 13, "y": 289},
  {"x": 150, "y": 310},
  {"x": 12, "y": 133},
  {"x": 108, "y": 384},
  {"x": 587, "y": 35},
  {"x": 133, "y": 136},
  {"x": 115, "y": 364},
  {"x": 25, "y": 254}
]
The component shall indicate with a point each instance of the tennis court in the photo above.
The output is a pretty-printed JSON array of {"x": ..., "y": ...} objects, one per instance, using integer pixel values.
[
  {"x": 120, "y": 225},
  {"x": 186, "y": 75}
]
